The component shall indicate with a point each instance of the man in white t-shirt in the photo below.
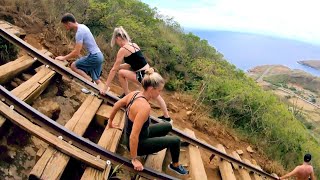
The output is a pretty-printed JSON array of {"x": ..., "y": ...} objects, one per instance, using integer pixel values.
[{"x": 89, "y": 66}]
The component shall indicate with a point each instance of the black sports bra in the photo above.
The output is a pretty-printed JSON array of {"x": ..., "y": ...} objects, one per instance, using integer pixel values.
[{"x": 136, "y": 59}]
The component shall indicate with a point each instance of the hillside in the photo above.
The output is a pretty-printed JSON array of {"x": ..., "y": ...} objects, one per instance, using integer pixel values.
[{"x": 190, "y": 65}]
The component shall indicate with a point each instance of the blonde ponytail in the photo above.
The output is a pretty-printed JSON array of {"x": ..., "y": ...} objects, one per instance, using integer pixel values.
[
  {"x": 151, "y": 79},
  {"x": 119, "y": 32}
]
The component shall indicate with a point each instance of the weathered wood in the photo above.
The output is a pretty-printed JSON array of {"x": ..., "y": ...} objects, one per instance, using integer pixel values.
[
  {"x": 244, "y": 174},
  {"x": 40, "y": 152},
  {"x": 254, "y": 162},
  {"x": 109, "y": 139},
  {"x": 31, "y": 89},
  {"x": 225, "y": 167},
  {"x": 255, "y": 176},
  {"x": 12, "y": 29},
  {"x": 102, "y": 115},
  {"x": 197, "y": 170},
  {"x": 49, "y": 138},
  {"x": 2, "y": 120},
  {"x": 51, "y": 167},
  {"x": 13, "y": 68}
]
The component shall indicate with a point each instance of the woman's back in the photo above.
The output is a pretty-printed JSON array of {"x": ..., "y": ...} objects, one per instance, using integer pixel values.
[{"x": 135, "y": 103}]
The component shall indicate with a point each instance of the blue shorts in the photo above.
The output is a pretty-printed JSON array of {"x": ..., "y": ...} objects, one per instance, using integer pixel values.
[{"x": 91, "y": 64}]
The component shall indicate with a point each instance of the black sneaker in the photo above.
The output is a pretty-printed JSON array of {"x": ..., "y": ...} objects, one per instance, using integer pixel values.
[
  {"x": 122, "y": 95},
  {"x": 168, "y": 119},
  {"x": 179, "y": 170}
]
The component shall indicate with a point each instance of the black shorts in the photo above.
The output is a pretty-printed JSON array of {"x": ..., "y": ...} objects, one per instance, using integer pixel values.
[{"x": 140, "y": 75}]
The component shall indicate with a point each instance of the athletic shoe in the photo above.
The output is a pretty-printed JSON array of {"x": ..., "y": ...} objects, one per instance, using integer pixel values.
[
  {"x": 164, "y": 119},
  {"x": 179, "y": 170}
]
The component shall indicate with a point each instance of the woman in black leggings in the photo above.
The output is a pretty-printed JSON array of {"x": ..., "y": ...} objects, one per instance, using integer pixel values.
[{"x": 145, "y": 138}]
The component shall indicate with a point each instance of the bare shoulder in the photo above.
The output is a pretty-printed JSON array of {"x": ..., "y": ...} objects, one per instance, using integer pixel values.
[{"x": 135, "y": 45}]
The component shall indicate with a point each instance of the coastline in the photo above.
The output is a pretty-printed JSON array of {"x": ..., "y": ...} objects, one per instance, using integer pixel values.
[{"x": 315, "y": 64}]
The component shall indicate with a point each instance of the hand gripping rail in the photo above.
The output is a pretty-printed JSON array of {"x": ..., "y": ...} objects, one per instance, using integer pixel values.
[{"x": 112, "y": 99}]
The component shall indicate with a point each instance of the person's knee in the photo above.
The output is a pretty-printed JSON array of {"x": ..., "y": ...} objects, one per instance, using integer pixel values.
[
  {"x": 167, "y": 126},
  {"x": 176, "y": 140},
  {"x": 73, "y": 66},
  {"x": 121, "y": 73}
]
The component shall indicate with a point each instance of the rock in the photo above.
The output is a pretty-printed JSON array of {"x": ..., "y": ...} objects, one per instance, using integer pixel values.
[
  {"x": 26, "y": 77},
  {"x": 14, "y": 84},
  {"x": 172, "y": 107},
  {"x": 235, "y": 138},
  {"x": 187, "y": 108},
  {"x": 240, "y": 152},
  {"x": 249, "y": 149},
  {"x": 17, "y": 80},
  {"x": 189, "y": 113},
  {"x": 49, "y": 108}
]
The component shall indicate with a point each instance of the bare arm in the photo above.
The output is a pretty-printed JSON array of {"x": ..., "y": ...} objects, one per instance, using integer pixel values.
[
  {"x": 74, "y": 53},
  {"x": 116, "y": 67},
  {"x": 313, "y": 177},
  {"x": 119, "y": 104},
  {"x": 292, "y": 173},
  {"x": 140, "y": 119}
]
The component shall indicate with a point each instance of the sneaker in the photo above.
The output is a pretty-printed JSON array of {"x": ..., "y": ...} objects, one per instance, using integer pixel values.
[
  {"x": 164, "y": 119},
  {"x": 179, "y": 170},
  {"x": 122, "y": 95}
]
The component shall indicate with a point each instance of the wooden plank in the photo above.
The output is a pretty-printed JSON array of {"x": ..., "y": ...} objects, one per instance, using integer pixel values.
[
  {"x": 255, "y": 176},
  {"x": 52, "y": 167},
  {"x": 254, "y": 162},
  {"x": 2, "y": 120},
  {"x": 225, "y": 167},
  {"x": 102, "y": 114},
  {"x": 11, "y": 69},
  {"x": 197, "y": 170},
  {"x": 244, "y": 174},
  {"x": 49, "y": 138},
  {"x": 31, "y": 89},
  {"x": 109, "y": 139}
]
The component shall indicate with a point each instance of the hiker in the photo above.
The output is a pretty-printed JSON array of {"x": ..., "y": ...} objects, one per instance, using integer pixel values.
[
  {"x": 302, "y": 172},
  {"x": 133, "y": 68},
  {"x": 143, "y": 138},
  {"x": 89, "y": 66}
]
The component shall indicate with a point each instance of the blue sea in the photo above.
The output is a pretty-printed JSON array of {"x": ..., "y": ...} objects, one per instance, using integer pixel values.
[{"x": 247, "y": 50}]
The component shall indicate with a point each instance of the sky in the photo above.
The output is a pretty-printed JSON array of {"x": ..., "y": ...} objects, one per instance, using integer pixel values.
[{"x": 292, "y": 19}]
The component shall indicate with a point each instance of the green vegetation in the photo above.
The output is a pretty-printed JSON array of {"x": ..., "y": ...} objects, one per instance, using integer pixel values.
[
  {"x": 187, "y": 62},
  {"x": 309, "y": 82},
  {"x": 8, "y": 51}
]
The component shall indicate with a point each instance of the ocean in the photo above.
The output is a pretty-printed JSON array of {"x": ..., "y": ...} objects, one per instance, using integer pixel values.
[{"x": 246, "y": 50}]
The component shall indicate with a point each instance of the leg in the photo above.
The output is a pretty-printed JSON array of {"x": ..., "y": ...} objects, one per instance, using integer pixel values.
[
  {"x": 163, "y": 106},
  {"x": 159, "y": 129},
  {"x": 156, "y": 144},
  {"x": 79, "y": 71},
  {"x": 125, "y": 75}
]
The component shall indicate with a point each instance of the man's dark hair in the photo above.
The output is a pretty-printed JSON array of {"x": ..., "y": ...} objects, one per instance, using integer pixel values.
[
  {"x": 307, "y": 158},
  {"x": 68, "y": 17}
]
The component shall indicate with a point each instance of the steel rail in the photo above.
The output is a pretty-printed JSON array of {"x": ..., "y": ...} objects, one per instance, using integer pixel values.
[
  {"x": 69, "y": 136},
  {"x": 113, "y": 99}
]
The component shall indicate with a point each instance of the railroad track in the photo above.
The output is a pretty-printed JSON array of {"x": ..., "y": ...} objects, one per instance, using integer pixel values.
[{"x": 67, "y": 142}]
